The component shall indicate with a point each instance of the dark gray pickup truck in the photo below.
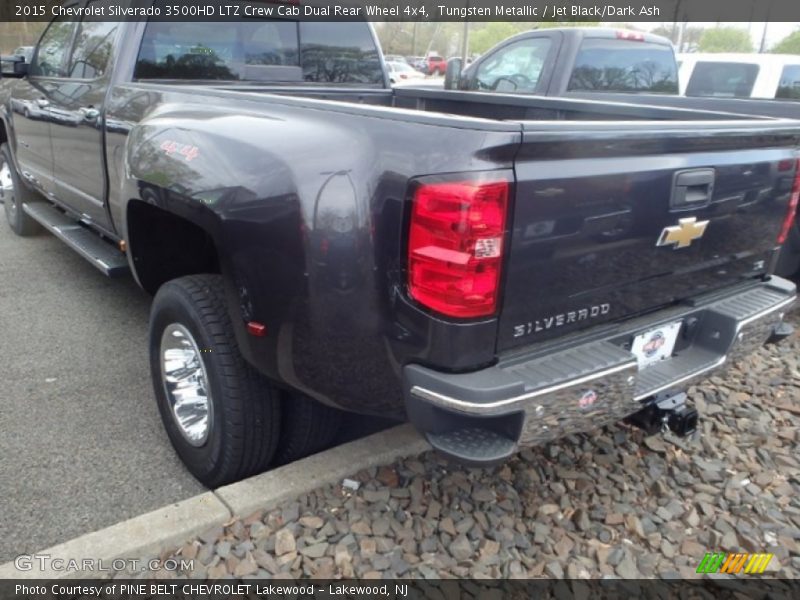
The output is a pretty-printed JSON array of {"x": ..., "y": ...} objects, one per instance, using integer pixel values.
[{"x": 499, "y": 270}]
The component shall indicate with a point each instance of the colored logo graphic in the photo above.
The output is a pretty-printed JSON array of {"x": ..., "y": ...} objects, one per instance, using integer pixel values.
[
  {"x": 587, "y": 399},
  {"x": 723, "y": 562},
  {"x": 654, "y": 344}
]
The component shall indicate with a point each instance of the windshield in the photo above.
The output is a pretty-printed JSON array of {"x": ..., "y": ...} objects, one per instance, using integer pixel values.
[
  {"x": 274, "y": 51},
  {"x": 722, "y": 79},
  {"x": 619, "y": 65}
]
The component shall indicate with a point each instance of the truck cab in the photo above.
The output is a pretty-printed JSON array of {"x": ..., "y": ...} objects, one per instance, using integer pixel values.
[{"x": 575, "y": 60}]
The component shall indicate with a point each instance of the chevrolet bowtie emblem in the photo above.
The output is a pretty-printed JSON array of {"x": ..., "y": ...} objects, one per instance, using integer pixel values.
[{"x": 683, "y": 234}]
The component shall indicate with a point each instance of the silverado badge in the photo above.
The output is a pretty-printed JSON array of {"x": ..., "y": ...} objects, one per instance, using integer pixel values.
[{"x": 683, "y": 234}]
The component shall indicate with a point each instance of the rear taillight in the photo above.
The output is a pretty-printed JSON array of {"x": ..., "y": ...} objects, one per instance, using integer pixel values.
[
  {"x": 791, "y": 213},
  {"x": 455, "y": 247}
]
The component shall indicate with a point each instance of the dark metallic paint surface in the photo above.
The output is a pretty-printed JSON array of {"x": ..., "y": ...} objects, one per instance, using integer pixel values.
[
  {"x": 306, "y": 209},
  {"x": 79, "y": 170},
  {"x": 30, "y": 124},
  {"x": 585, "y": 229}
]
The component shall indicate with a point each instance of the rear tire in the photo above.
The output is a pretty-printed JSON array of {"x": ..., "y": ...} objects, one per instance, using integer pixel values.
[
  {"x": 242, "y": 410},
  {"x": 307, "y": 427},
  {"x": 13, "y": 194},
  {"x": 789, "y": 259}
]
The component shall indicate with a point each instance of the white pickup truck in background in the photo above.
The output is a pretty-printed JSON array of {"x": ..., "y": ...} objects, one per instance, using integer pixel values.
[{"x": 739, "y": 75}]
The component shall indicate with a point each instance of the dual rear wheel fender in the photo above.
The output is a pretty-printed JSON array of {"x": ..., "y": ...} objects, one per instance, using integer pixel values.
[{"x": 224, "y": 419}]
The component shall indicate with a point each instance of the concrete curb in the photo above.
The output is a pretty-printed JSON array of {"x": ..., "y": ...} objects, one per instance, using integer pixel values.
[
  {"x": 148, "y": 535},
  {"x": 137, "y": 538},
  {"x": 269, "y": 489}
]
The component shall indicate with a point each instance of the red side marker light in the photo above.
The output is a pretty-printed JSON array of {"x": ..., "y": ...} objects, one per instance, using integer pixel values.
[{"x": 256, "y": 329}]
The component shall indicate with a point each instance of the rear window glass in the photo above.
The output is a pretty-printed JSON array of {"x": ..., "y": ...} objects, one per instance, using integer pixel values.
[
  {"x": 267, "y": 51},
  {"x": 789, "y": 85},
  {"x": 722, "y": 79},
  {"x": 612, "y": 65}
]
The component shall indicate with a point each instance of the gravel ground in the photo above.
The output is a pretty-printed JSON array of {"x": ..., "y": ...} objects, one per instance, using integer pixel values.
[{"x": 610, "y": 503}]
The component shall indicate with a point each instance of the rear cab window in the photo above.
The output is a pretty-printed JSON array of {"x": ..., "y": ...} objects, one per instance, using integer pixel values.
[
  {"x": 789, "y": 84},
  {"x": 722, "y": 79},
  {"x": 279, "y": 51},
  {"x": 624, "y": 65}
]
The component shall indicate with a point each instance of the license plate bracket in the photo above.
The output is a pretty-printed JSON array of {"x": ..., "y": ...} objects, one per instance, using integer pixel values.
[{"x": 655, "y": 345}]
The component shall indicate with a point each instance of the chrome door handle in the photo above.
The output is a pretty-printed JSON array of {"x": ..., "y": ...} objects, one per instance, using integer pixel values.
[{"x": 90, "y": 113}]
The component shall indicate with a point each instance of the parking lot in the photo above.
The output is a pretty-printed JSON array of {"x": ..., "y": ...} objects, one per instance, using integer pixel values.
[{"x": 81, "y": 443}]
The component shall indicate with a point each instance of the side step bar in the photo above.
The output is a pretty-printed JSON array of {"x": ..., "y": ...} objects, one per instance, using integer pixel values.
[{"x": 100, "y": 253}]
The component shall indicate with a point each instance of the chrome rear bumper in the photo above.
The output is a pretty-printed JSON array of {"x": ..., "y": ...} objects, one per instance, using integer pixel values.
[{"x": 537, "y": 398}]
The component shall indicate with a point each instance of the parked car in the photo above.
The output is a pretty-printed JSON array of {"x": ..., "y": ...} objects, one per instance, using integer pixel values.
[
  {"x": 765, "y": 76},
  {"x": 418, "y": 62},
  {"x": 502, "y": 270},
  {"x": 403, "y": 73},
  {"x": 433, "y": 64},
  {"x": 30, "y": 109},
  {"x": 395, "y": 58}
]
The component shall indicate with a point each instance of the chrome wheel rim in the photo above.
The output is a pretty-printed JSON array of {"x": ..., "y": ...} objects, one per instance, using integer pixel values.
[
  {"x": 7, "y": 196},
  {"x": 186, "y": 384}
]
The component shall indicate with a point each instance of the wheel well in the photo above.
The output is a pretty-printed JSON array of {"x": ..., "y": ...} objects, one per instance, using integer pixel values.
[{"x": 164, "y": 246}]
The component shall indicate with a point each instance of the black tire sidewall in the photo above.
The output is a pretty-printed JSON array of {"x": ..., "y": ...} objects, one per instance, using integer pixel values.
[
  {"x": 174, "y": 307},
  {"x": 23, "y": 224},
  {"x": 5, "y": 158}
]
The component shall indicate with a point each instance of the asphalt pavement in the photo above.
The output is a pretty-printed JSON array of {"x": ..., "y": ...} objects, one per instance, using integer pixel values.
[{"x": 81, "y": 442}]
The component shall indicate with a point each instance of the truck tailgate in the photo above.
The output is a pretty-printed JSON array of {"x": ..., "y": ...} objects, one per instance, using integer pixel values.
[{"x": 612, "y": 220}]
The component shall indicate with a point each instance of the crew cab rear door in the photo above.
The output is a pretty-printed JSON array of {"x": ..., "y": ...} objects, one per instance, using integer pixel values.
[
  {"x": 616, "y": 219},
  {"x": 76, "y": 119}
]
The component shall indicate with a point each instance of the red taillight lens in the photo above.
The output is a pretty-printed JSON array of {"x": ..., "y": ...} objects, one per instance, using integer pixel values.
[
  {"x": 455, "y": 247},
  {"x": 791, "y": 213}
]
